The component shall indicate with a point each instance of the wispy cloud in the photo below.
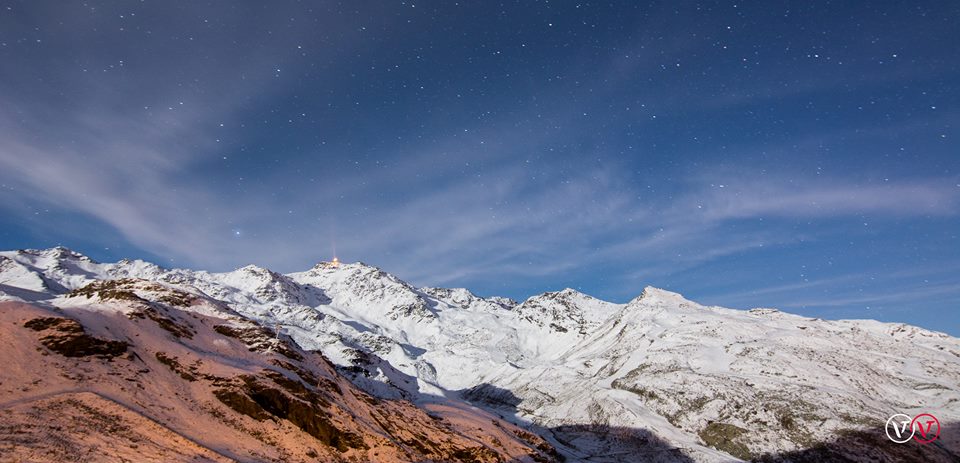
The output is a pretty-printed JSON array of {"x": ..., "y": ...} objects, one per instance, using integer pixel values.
[
  {"x": 831, "y": 199},
  {"x": 512, "y": 221},
  {"x": 907, "y": 297},
  {"x": 594, "y": 220}
]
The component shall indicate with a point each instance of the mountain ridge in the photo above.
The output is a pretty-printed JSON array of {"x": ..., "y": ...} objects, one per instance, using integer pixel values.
[{"x": 711, "y": 382}]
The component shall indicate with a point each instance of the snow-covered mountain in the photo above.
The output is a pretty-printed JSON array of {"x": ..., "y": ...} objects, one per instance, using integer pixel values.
[
  {"x": 660, "y": 378},
  {"x": 136, "y": 370}
]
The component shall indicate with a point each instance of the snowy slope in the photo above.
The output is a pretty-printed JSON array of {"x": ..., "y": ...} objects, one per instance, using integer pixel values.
[
  {"x": 661, "y": 376},
  {"x": 133, "y": 370},
  {"x": 768, "y": 381}
]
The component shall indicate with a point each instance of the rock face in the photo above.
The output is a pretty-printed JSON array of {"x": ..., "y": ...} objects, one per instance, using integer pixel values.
[
  {"x": 660, "y": 378},
  {"x": 566, "y": 311}
]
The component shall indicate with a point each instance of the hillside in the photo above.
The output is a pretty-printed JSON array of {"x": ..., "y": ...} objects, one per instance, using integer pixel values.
[
  {"x": 130, "y": 370},
  {"x": 660, "y": 378}
]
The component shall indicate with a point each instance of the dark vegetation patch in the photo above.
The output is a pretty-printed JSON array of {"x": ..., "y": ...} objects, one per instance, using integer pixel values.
[
  {"x": 259, "y": 339},
  {"x": 297, "y": 388},
  {"x": 793, "y": 417},
  {"x": 190, "y": 372},
  {"x": 174, "y": 364},
  {"x": 421, "y": 444},
  {"x": 261, "y": 401},
  {"x": 475, "y": 454},
  {"x": 726, "y": 437},
  {"x": 241, "y": 403},
  {"x": 168, "y": 324},
  {"x": 68, "y": 338},
  {"x": 649, "y": 394},
  {"x": 177, "y": 299},
  {"x": 310, "y": 378},
  {"x": 64, "y": 325},
  {"x": 536, "y": 441},
  {"x": 122, "y": 289},
  {"x": 106, "y": 290}
]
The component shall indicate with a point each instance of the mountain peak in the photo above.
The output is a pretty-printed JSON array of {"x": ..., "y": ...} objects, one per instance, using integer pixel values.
[
  {"x": 257, "y": 272},
  {"x": 459, "y": 295},
  {"x": 565, "y": 310},
  {"x": 338, "y": 264},
  {"x": 358, "y": 285},
  {"x": 328, "y": 264},
  {"x": 565, "y": 294},
  {"x": 254, "y": 268},
  {"x": 570, "y": 292},
  {"x": 656, "y": 296},
  {"x": 57, "y": 252}
]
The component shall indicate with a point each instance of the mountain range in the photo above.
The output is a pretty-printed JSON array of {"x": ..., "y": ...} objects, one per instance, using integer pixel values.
[{"x": 346, "y": 362}]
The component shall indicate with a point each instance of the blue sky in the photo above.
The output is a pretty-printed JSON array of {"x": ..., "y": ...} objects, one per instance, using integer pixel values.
[{"x": 799, "y": 155}]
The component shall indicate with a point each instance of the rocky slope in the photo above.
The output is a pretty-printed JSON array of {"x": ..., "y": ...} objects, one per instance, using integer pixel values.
[
  {"x": 659, "y": 379},
  {"x": 133, "y": 370}
]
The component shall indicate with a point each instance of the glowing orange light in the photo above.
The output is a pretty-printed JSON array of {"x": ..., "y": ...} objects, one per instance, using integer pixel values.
[{"x": 335, "y": 262}]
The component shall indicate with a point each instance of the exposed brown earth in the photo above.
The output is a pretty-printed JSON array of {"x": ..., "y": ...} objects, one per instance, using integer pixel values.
[{"x": 130, "y": 377}]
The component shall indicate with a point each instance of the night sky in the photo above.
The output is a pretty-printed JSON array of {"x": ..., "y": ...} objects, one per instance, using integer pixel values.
[{"x": 800, "y": 155}]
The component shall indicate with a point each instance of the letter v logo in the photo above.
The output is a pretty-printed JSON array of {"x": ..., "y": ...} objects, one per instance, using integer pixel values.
[
  {"x": 897, "y": 428},
  {"x": 928, "y": 434}
]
